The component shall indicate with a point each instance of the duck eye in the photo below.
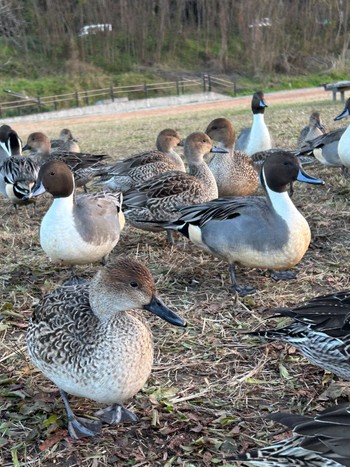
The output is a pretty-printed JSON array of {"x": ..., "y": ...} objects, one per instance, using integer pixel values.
[
  {"x": 52, "y": 173},
  {"x": 133, "y": 284}
]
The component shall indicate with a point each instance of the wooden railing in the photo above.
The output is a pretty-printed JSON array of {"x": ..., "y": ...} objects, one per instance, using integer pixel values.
[{"x": 27, "y": 104}]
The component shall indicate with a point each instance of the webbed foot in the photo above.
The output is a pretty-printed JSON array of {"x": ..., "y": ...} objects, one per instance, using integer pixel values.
[
  {"x": 283, "y": 275},
  {"x": 116, "y": 414}
]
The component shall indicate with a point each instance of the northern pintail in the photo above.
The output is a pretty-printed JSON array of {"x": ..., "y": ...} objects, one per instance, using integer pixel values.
[
  {"x": 257, "y": 138},
  {"x": 319, "y": 441},
  {"x": 18, "y": 176},
  {"x": 77, "y": 230},
  {"x": 138, "y": 168},
  {"x": 10, "y": 143},
  {"x": 234, "y": 172},
  {"x": 263, "y": 232},
  {"x": 344, "y": 141},
  {"x": 311, "y": 131},
  {"x": 157, "y": 200},
  {"x": 65, "y": 141},
  {"x": 325, "y": 148},
  {"x": 320, "y": 330},
  {"x": 90, "y": 342},
  {"x": 84, "y": 166}
]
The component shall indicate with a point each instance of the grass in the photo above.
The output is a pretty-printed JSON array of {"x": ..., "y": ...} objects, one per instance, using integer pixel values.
[{"x": 211, "y": 385}]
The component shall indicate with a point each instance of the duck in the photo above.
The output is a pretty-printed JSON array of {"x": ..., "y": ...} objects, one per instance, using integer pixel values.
[
  {"x": 311, "y": 131},
  {"x": 261, "y": 232},
  {"x": 152, "y": 203},
  {"x": 65, "y": 141},
  {"x": 10, "y": 143},
  {"x": 138, "y": 168},
  {"x": 325, "y": 149},
  {"x": 92, "y": 341},
  {"x": 322, "y": 440},
  {"x": 234, "y": 172},
  {"x": 344, "y": 141},
  {"x": 257, "y": 138},
  {"x": 84, "y": 166},
  {"x": 319, "y": 329},
  {"x": 77, "y": 230},
  {"x": 18, "y": 176}
]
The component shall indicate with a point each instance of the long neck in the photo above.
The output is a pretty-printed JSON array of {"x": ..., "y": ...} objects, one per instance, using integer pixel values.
[
  {"x": 200, "y": 170},
  {"x": 174, "y": 156},
  {"x": 280, "y": 202},
  {"x": 259, "y": 138},
  {"x": 63, "y": 205}
]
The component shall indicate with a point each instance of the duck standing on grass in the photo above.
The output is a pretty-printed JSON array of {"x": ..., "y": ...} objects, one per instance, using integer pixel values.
[
  {"x": 87, "y": 340},
  {"x": 77, "y": 230},
  {"x": 260, "y": 232}
]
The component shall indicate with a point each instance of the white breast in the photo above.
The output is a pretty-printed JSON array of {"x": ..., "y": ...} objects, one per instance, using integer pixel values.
[
  {"x": 259, "y": 138},
  {"x": 344, "y": 147}
]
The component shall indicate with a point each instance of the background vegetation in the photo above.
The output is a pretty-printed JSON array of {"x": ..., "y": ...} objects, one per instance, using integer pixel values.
[{"x": 43, "y": 41}]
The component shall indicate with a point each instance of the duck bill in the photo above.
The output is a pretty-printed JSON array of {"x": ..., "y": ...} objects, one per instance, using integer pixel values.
[
  {"x": 38, "y": 189},
  {"x": 26, "y": 148},
  {"x": 157, "y": 307},
  {"x": 262, "y": 103},
  {"x": 345, "y": 113},
  {"x": 218, "y": 150},
  {"x": 304, "y": 177}
]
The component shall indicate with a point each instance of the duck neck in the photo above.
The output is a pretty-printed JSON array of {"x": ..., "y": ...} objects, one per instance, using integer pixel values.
[
  {"x": 64, "y": 205},
  {"x": 280, "y": 202},
  {"x": 174, "y": 156},
  {"x": 200, "y": 170},
  {"x": 103, "y": 302}
]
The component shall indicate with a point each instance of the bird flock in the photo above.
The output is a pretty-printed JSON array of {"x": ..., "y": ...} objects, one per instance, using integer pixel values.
[{"x": 91, "y": 339}]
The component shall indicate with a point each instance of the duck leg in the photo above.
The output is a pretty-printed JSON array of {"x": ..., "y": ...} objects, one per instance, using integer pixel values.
[
  {"x": 79, "y": 427},
  {"x": 115, "y": 414},
  {"x": 283, "y": 275},
  {"x": 240, "y": 289}
]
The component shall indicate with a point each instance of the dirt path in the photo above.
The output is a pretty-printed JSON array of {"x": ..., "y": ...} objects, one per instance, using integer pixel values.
[{"x": 300, "y": 95}]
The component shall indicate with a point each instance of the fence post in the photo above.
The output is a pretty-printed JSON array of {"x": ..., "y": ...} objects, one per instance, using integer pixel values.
[
  {"x": 234, "y": 86},
  {"x": 112, "y": 93},
  {"x": 145, "y": 90},
  {"x": 55, "y": 103},
  {"x": 86, "y": 98},
  {"x": 182, "y": 85},
  {"x": 177, "y": 87},
  {"x": 205, "y": 82},
  {"x": 39, "y": 104},
  {"x": 0, "y": 111},
  {"x": 77, "y": 98},
  {"x": 209, "y": 83}
]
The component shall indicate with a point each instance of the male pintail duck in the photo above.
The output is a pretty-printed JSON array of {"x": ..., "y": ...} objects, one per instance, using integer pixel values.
[
  {"x": 319, "y": 441},
  {"x": 157, "y": 200},
  {"x": 311, "y": 131},
  {"x": 18, "y": 176},
  {"x": 84, "y": 166},
  {"x": 65, "y": 142},
  {"x": 234, "y": 172},
  {"x": 325, "y": 148},
  {"x": 344, "y": 141},
  {"x": 257, "y": 138},
  {"x": 10, "y": 143},
  {"x": 320, "y": 330},
  {"x": 126, "y": 173},
  {"x": 89, "y": 341},
  {"x": 77, "y": 230},
  {"x": 260, "y": 232}
]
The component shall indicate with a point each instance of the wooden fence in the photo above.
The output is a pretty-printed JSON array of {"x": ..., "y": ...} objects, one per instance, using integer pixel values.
[{"x": 27, "y": 105}]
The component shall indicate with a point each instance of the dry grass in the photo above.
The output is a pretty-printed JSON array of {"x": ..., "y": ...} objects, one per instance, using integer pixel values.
[{"x": 211, "y": 386}]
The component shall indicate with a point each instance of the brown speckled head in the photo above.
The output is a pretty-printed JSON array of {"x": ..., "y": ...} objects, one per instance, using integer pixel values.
[
  {"x": 57, "y": 178},
  {"x": 38, "y": 141},
  {"x": 167, "y": 140},
  {"x": 221, "y": 130},
  {"x": 197, "y": 144}
]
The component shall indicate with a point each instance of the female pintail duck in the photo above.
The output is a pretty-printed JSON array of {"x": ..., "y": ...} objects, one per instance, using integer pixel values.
[
  {"x": 157, "y": 200},
  {"x": 319, "y": 441},
  {"x": 84, "y": 166},
  {"x": 344, "y": 141},
  {"x": 126, "y": 173},
  {"x": 325, "y": 149},
  {"x": 77, "y": 230},
  {"x": 87, "y": 340},
  {"x": 257, "y": 138},
  {"x": 65, "y": 142},
  {"x": 263, "y": 232},
  {"x": 311, "y": 131},
  {"x": 234, "y": 172},
  {"x": 10, "y": 143},
  {"x": 320, "y": 330}
]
